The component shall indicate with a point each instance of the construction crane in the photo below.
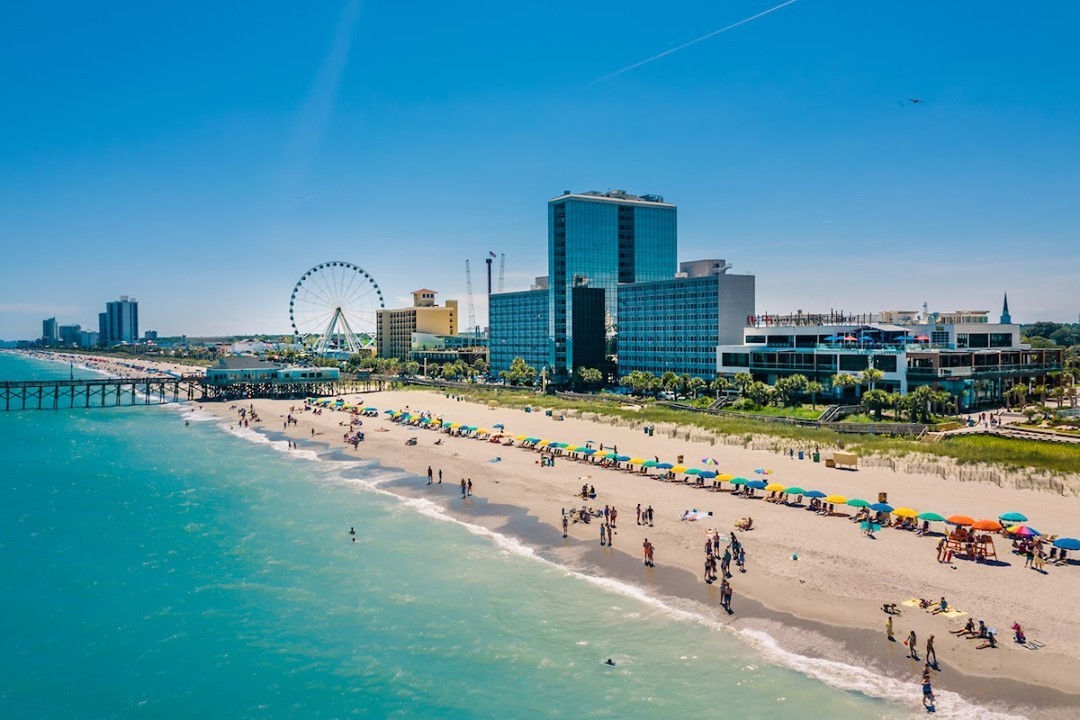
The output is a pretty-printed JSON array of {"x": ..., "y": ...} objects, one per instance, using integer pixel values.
[
  {"x": 502, "y": 270},
  {"x": 468, "y": 294}
]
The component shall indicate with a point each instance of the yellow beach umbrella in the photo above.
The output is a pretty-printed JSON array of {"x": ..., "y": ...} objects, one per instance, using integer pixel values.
[
  {"x": 636, "y": 461},
  {"x": 520, "y": 437},
  {"x": 775, "y": 487},
  {"x": 725, "y": 478},
  {"x": 455, "y": 426},
  {"x": 543, "y": 443},
  {"x": 679, "y": 469},
  {"x": 905, "y": 512},
  {"x": 483, "y": 431},
  {"x": 836, "y": 499}
]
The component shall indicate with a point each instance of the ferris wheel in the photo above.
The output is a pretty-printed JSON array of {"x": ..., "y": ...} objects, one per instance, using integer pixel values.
[{"x": 333, "y": 308}]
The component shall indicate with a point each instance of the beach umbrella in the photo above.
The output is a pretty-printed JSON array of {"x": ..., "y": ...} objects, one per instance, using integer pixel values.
[
  {"x": 622, "y": 458},
  {"x": 708, "y": 474},
  {"x": 389, "y": 412},
  {"x": 763, "y": 471},
  {"x": 650, "y": 464},
  {"x": 519, "y": 438},
  {"x": 723, "y": 477},
  {"x": 500, "y": 426},
  {"x": 959, "y": 520},
  {"x": 664, "y": 466},
  {"x": 588, "y": 451},
  {"x": 986, "y": 525},
  {"x": 795, "y": 491},
  {"x": 455, "y": 426},
  {"x": 850, "y": 338},
  {"x": 757, "y": 484},
  {"x": 679, "y": 468},
  {"x": 931, "y": 516},
  {"x": 483, "y": 431},
  {"x": 775, "y": 487},
  {"x": 857, "y": 502},
  {"x": 739, "y": 481},
  {"x": 1023, "y": 531},
  {"x": 543, "y": 443},
  {"x": 1013, "y": 517},
  {"x": 709, "y": 461},
  {"x": 606, "y": 455},
  {"x": 922, "y": 338},
  {"x": 1067, "y": 543},
  {"x": 817, "y": 494},
  {"x": 882, "y": 507},
  {"x": 836, "y": 499},
  {"x": 905, "y": 512},
  {"x": 693, "y": 471},
  {"x": 532, "y": 440},
  {"x": 832, "y": 338},
  {"x": 636, "y": 461}
]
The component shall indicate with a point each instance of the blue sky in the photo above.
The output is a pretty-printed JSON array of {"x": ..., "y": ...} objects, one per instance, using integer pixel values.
[{"x": 202, "y": 156}]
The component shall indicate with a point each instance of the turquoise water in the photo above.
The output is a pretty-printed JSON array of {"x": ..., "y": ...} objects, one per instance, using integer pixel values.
[{"x": 163, "y": 571}]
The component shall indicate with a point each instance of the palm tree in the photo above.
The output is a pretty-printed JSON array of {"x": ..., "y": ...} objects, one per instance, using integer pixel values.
[
  {"x": 743, "y": 381},
  {"x": 844, "y": 381},
  {"x": 871, "y": 375},
  {"x": 814, "y": 387},
  {"x": 720, "y": 385},
  {"x": 696, "y": 386}
]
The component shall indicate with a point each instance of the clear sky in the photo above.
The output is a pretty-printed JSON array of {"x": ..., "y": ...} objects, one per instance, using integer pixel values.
[{"x": 202, "y": 156}]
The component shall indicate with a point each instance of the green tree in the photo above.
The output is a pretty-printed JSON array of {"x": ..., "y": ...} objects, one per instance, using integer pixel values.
[
  {"x": 668, "y": 381},
  {"x": 696, "y": 386},
  {"x": 760, "y": 393},
  {"x": 870, "y": 376},
  {"x": 519, "y": 373},
  {"x": 814, "y": 388},
  {"x": 719, "y": 385},
  {"x": 410, "y": 368},
  {"x": 682, "y": 385},
  {"x": 743, "y": 381},
  {"x": 876, "y": 400},
  {"x": 589, "y": 377},
  {"x": 844, "y": 381}
]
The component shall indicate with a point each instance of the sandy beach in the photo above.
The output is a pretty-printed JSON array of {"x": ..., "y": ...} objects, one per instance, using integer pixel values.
[{"x": 826, "y": 603}]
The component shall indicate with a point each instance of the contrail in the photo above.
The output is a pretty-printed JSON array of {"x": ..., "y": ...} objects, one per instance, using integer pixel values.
[{"x": 685, "y": 45}]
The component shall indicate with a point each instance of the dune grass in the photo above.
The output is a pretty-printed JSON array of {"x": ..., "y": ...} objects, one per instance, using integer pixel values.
[{"x": 1013, "y": 453}]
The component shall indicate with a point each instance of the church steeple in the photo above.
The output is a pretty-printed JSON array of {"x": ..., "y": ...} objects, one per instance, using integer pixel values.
[{"x": 1006, "y": 318}]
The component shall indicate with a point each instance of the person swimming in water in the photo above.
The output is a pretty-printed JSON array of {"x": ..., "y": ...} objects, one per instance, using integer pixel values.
[{"x": 610, "y": 662}]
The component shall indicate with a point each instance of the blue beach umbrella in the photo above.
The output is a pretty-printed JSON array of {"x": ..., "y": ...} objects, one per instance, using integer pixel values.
[
  {"x": 882, "y": 507},
  {"x": 814, "y": 494},
  {"x": 708, "y": 474},
  {"x": 1067, "y": 543},
  {"x": 1013, "y": 517},
  {"x": 587, "y": 451},
  {"x": 757, "y": 484},
  {"x": 622, "y": 458},
  {"x": 500, "y": 426},
  {"x": 665, "y": 466}
]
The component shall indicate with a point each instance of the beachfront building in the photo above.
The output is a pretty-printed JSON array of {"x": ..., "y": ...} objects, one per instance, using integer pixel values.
[
  {"x": 434, "y": 349},
  {"x": 69, "y": 335},
  {"x": 395, "y": 327},
  {"x": 598, "y": 240},
  {"x": 960, "y": 352},
  {"x": 675, "y": 325},
  {"x": 50, "y": 332},
  {"x": 518, "y": 327},
  {"x": 252, "y": 371},
  {"x": 120, "y": 322},
  {"x": 88, "y": 339}
]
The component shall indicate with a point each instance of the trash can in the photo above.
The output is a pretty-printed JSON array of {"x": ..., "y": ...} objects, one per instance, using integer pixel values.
[
  {"x": 528, "y": 409},
  {"x": 547, "y": 412},
  {"x": 652, "y": 430},
  {"x": 800, "y": 454},
  {"x": 817, "y": 457}
]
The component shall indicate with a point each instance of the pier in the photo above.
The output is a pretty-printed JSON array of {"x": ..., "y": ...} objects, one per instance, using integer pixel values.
[{"x": 140, "y": 391}]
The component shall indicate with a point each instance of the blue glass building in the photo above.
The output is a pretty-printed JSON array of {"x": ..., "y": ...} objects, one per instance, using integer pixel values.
[
  {"x": 677, "y": 324},
  {"x": 599, "y": 240},
  {"x": 518, "y": 327}
]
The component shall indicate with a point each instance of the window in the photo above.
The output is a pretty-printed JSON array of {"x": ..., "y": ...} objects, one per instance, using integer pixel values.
[
  {"x": 885, "y": 363},
  {"x": 1001, "y": 340},
  {"x": 854, "y": 363},
  {"x": 939, "y": 337}
]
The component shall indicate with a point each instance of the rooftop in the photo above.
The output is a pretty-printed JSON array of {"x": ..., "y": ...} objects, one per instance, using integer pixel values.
[{"x": 616, "y": 196}]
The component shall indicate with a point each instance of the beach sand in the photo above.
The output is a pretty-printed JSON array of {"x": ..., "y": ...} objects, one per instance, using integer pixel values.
[{"x": 827, "y": 603}]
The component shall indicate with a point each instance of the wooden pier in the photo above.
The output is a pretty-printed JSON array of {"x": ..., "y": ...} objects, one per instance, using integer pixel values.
[{"x": 138, "y": 391}]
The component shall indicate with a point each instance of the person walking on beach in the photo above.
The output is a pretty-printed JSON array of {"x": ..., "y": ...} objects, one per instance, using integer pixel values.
[
  {"x": 889, "y": 629},
  {"x": 913, "y": 652},
  {"x": 614, "y": 515},
  {"x": 603, "y": 534},
  {"x": 930, "y": 653},
  {"x": 645, "y": 551},
  {"x": 649, "y": 512},
  {"x": 430, "y": 475},
  {"x": 610, "y": 534},
  {"x": 463, "y": 488},
  {"x": 651, "y": 549},
  {"x": 469, "y": 487},
  {"x": 725, "y": 596},
  {"x": 565, "y": 524},
  {"x": 927, "y": 692},
  {"x": 639, "y": 513},
  {"x": 440, "y": 476}
]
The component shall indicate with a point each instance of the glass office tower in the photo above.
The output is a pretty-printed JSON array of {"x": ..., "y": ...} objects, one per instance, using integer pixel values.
[
  {"x": 599, "y": 240},
  {"x": 517, "y": 327}
]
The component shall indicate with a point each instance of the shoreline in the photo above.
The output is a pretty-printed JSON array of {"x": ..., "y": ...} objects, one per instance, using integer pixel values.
[{"x": 835, "y": 617}]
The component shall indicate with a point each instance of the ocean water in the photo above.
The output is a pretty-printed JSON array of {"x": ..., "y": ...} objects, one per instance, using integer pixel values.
[{"x": 162, "y": 570}]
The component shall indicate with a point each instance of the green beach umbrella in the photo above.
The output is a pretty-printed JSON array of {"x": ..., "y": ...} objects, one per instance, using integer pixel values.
[
  {"x": 649, "y": 464},
  {"x": 1013, "y": 517},
  {"x": 693, "y": 471},
  {"x": 858, "y": 502},
  {"x": 931, "y": 516},
  {"x": 739, "y": 481},
  {"x": 795, "y": 491}
]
